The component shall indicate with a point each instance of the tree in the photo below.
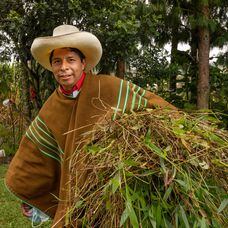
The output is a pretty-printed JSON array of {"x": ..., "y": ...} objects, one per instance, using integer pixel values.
[
  {"x": 204, "y": 49},
  {"x": 21, "y": 22},
  {"x": 126, "y": 30},
  {"x": 115, "y": 24}
]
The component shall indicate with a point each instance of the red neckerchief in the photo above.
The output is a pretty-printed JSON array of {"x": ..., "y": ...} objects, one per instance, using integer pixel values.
[{"x": 77, "y": 86}]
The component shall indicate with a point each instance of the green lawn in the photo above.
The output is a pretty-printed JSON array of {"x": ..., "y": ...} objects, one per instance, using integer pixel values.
[{"x": 10, "y": 212}]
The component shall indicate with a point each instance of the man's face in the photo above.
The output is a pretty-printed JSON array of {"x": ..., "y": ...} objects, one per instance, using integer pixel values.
[{"x": 67, "y": 67}]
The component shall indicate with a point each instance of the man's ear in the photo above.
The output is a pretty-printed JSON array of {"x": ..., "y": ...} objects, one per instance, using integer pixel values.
[{"x": 84, "y": 63}]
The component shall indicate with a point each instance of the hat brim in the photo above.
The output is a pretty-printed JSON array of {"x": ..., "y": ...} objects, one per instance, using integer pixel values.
[{"x": 86, "y": 42}]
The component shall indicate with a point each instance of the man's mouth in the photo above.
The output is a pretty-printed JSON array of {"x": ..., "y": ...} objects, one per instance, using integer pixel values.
[{"x": 64, "y": 76}]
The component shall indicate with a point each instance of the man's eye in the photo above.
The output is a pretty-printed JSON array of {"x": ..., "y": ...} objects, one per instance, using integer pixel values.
[
  {"x": 72, "y": 60},
  {"x": 56, "y": 61}
]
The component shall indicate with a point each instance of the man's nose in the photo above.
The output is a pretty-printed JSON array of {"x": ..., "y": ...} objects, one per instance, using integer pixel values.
[{"x": 64, "y": 64}]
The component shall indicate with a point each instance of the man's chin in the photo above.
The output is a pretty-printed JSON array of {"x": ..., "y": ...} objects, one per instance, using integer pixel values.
[{"x": 67, "y": 86}]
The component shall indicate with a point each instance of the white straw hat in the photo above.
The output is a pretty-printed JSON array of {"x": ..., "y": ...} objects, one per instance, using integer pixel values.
[{"x": 67, "y": 36}]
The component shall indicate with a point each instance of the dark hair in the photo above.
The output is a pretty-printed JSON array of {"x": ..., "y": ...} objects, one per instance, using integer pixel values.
[{"x": 75, "y": 50}]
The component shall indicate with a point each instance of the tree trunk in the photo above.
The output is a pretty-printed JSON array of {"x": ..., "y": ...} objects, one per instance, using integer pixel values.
[
  {"x": 193, "y": 71},
  {"x": 204, "y": 47},
  {"x": 29, "y": 77},
  {"x": 27, "y": 109},
  {"x": 173, "y": 77},
  {"x": 35, "y": 83},
  {"x": 120, "y": 69},
  {"x": 105, "y": 66}
]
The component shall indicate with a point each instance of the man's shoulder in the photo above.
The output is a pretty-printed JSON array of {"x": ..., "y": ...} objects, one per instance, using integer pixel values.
[
  {"x": 49, "y": 103},
  {"x": 106, "y": 79}
]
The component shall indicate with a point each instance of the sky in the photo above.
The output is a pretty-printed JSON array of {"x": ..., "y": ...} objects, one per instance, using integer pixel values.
[
  {"x": 214, "y": 52},
  {"x": 184, "y": 47}
]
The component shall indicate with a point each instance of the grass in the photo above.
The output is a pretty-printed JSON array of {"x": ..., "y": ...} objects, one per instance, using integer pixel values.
[{"x": 10, "y": 212}]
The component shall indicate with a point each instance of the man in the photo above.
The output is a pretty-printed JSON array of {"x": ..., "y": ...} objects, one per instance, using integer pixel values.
[{"x": 39, "y": 172}]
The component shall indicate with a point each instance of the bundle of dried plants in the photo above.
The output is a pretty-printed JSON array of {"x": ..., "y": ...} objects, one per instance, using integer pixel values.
[{"x": 154, "y": 168}]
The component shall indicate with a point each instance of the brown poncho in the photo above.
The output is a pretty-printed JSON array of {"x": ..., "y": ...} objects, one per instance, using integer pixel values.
[{"x": 39, "y": 172}]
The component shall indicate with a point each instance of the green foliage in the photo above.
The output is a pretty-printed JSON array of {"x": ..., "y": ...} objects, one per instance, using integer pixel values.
[
  {"x": 123, "y": 27},
  {"x": 116, "y": 26},
  {"x": 13, "y": 122},
  {"x": 10, "y": 81},
  {"x": 149, "y": 67},
  {"x": 219, "y": 92},
  {"x": 9, "y": 140},
  {"x": 6, "y": 77},
  {"x": 22, "y": 22}
]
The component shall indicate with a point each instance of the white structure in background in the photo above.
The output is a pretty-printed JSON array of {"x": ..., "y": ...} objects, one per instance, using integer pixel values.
[{"x": 2, "y": 153}]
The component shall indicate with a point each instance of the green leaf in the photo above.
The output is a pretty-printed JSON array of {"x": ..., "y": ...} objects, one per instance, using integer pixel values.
[
  {"x": 124, "y": 217},
  {"x": 182, "y": 183},
  {"x": 167, "y": 193},
  {"x": 153, "y": 147},
  {"x": 162, "y": 164},
  {"x": 130, "y": 209},
  {"x": 132, "y": 215},
  {"x": 184, "y": 217},
  {"x": 79, "y": 204},
  {"x": 158, "y": 214},
  {"x": 219, "y": 163},
  {"x": 130, "y": 162},
  {"x": 222, "y": 205},
  {"x": 116, "y": 182},
  {"x": 93, "y": 149},
  {"x": 215, "y": 138},
  {"x": 179, "y": 131},
  {"x": 176, "y": 219},
  {"x": 203, "y": 223},
  {"x": 151, "y": 218},
  {"x": 153, "y": 222}
]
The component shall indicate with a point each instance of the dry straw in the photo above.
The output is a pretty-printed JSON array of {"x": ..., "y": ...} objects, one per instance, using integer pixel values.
[{"x": 155, "y": 168}]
